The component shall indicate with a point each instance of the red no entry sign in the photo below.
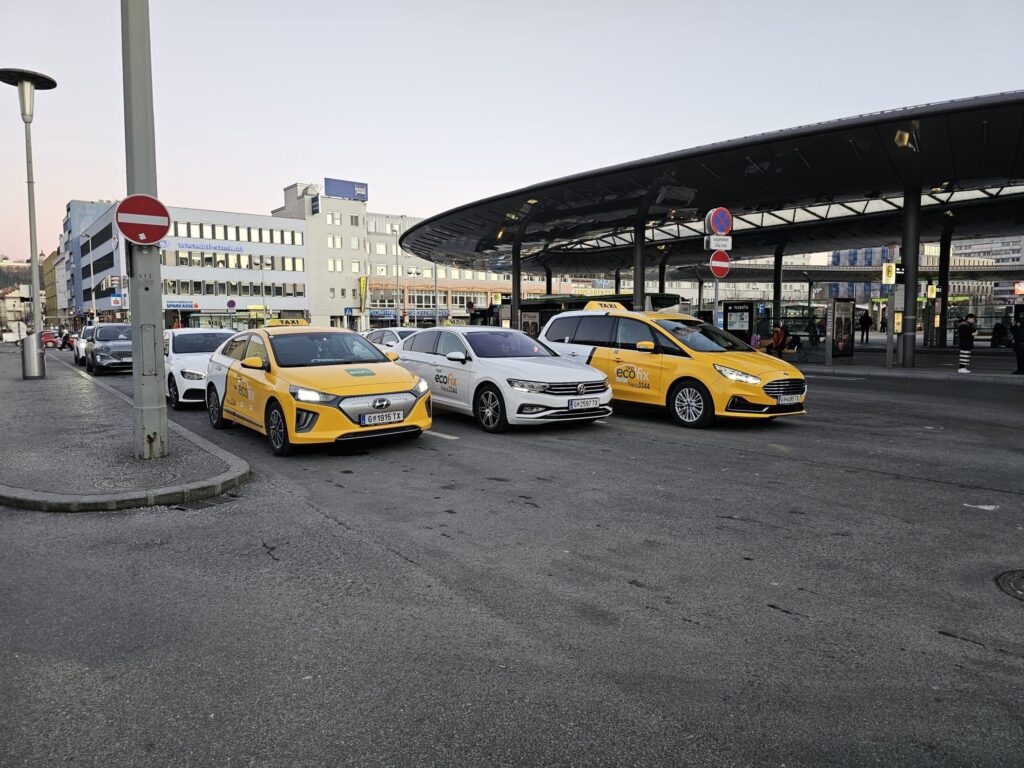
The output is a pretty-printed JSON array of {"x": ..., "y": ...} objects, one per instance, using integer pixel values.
[
  {"x": 719, "y": 264},
  {"x": 142, "y": 219},
  {"x": 718, "y": 221}
]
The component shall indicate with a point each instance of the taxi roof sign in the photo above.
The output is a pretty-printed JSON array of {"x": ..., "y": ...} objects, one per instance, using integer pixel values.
[
  {"x": 604, "y": 305},
  {"x": 279, "y": 322}
]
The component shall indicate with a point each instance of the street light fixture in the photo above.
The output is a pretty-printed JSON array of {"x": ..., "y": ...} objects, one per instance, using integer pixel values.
[
  {"x": 437, "y": 304},
  {"x": 33, "y": 365}
]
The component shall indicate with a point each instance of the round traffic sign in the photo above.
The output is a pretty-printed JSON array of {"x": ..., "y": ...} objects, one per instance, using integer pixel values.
[
  {"x": 718, "y": 221},
  {"x": 720, "y": 264},
  {"x": 142, "y": 219}
]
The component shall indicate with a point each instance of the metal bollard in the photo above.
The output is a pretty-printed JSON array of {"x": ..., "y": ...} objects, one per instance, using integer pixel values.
[{"x": 33, "y": 360}]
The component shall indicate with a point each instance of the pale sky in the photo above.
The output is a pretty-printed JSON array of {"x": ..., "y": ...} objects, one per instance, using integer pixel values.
[{"x": 436, "y": 104}]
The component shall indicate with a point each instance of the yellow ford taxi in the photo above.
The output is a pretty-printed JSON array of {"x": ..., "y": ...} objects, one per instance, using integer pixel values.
[
  {"x": 298, "y": 384},
  {"x": 677, "y": 362}
]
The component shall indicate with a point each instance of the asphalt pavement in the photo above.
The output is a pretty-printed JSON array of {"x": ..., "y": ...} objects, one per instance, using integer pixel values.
[{"x": 814, "y": 591}]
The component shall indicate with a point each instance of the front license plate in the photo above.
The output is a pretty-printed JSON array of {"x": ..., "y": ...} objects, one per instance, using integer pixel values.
[
  {"x": 789, "y": 399},
  {"x": 582, "y": 405},
  {"x": 126, "y": 359},
  {"x": 369, "y": 419}
]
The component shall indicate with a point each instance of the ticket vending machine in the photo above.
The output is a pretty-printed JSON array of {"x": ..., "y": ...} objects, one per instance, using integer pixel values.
[{"x": 739, "y": 319}]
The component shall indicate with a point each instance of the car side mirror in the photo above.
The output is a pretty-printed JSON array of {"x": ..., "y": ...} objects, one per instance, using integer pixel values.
[
  {"x": 392, "y": 355},
  {"x": 254, "y": 362},
  {"x": 645, "y": 346},
  {"x": 456, "y": 357}
]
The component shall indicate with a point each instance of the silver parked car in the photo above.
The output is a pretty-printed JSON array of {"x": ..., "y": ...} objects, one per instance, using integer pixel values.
[
  {"x": 110, "y": 349},
  {"x": 79, "y": 346}
]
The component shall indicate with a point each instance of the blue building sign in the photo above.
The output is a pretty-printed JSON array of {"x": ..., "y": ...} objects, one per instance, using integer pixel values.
[{"x": 348, "y": 190}]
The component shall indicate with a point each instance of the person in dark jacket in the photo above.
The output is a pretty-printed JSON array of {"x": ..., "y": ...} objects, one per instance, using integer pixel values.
[
  {"x": 1018, "y": 343},
  {"x": 865, "y": 322},
  {"x": 965, "y": 341}
]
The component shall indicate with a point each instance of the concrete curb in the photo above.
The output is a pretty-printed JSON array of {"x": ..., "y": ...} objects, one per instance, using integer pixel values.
[
  {"x": 236, "y": 474},
  {"x": 903, "y": 373}
]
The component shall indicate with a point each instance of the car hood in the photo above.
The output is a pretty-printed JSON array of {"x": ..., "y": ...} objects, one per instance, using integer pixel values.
[
  {"x": 116, "y": 345},
  {"x": 757, "y": 363},
  {"x": 356, "y": 379},
  {"x": 195, "y": 361},
  {"x": 550, "y": 369}
]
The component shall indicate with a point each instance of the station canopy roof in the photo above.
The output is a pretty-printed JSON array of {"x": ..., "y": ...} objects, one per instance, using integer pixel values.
[
  {"x": 821, "y": 187},
  {"x": 759, "y": 272}
]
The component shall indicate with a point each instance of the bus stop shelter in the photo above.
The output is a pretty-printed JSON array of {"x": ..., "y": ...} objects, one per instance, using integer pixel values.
[{"x": 936, "y": 172}]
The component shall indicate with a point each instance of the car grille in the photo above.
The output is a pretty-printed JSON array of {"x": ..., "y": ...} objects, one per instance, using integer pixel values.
[
  {"x": 785, "y": 387},
  {"x": 120, "y": 355},
  {"x": 572, "y": 388}
]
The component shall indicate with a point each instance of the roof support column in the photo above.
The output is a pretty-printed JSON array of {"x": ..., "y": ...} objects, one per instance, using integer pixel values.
[
  {"x": 909, "y": 249},
  {"x": 547, "y": 280},
  {"x": 700, "y": 294},
  {"x": 639, "y": 244},
  {"x": 777, "y": 283},
  {"x": 945, "y": 247},
  {"x": 661, "y": 274},
  {"x": 517, "y": 278},
  {"x": 618, "y": 281}
]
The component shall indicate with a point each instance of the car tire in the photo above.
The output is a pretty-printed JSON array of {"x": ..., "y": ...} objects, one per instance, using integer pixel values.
[
  {"x": 489, "y": 410},
  {"x": 172, "y": 393},
  {"x": 690, "y": 404},
  {"x": 214, "y": 409},
  {"x": 89, "y": 366},
  {"x": 277, "y": 430}
]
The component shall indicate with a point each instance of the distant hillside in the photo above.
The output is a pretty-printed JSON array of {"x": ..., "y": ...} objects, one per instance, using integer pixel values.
[{"x": 10, "y": 276}]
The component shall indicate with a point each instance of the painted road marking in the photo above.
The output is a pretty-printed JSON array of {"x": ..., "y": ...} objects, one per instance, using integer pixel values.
[{"x": 442, "y": 435}]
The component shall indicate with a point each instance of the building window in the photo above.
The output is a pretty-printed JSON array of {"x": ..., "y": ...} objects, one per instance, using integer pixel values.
[
  {"x": 330, "y": 241},
  {"x": 180, "y": 229},
  {"x": 330, "y": 267},
  {"x": 394, "y": 249},
  {"x": 243, "y": 234},
  {"x": 276, "y": 235},
  {"x": 353, "y": 243},
  {"x": 231, "y": 232},
  {"x": 287, "y": 237},
  {"x": 355, "y": 267},
  {"x": 381, "y": 249},
  {"x": 264, "y": 235},
  {"x": 300, "y": 264},
  {"x": 218, "y": 231},
  {"x": 354, "y": 220},
  {"x": 298, "y": 238},
  {"x": 193, "y": 230},
  {"x": 382, "y": 270},
  {"x": 221, "y": 260},
  {"x": 207, "y": 231},
  {"x": 207, "y": 259},
  {"x": 245, "y": 288},
  {"x": 244, "y": 261},
  {"x": 182, "y": 258}
]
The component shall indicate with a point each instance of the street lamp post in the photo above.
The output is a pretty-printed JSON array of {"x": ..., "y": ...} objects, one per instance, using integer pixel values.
[{"x": 33, "y": 364}]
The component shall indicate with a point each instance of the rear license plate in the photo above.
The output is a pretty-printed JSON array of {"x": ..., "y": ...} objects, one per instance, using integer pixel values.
[
  {"x": 789, "y": 399},
  {"x": 369, "y": 419},
  {"x": 581, "y": 405}
]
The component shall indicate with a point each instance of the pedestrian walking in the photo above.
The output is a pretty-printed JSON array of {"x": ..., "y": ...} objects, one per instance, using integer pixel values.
[
  {"x": 1017, "y": 329},
  {"x": 883, "y": 325},
  {"x": 965, "y": 341},
  {"x": 778, "y": 342},
  {"x": 865, "y": 323}
]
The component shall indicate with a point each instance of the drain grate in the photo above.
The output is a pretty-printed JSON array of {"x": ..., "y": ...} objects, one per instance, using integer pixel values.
[{"x": 1012, "y": 583}]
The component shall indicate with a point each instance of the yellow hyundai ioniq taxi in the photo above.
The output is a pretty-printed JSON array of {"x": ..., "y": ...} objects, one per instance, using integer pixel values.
[
  {"x": 693, "y": 369},
  {"x": 298, "y": 384}
]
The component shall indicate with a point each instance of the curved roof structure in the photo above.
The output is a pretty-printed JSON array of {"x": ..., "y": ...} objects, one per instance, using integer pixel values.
[{"x": 837, "y": 184}]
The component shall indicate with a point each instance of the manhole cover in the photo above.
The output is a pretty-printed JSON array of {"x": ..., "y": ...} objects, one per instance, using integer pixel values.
[{"x": 1012, "y": 583}]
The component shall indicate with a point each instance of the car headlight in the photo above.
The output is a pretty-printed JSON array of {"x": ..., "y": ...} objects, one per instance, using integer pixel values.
[
  {"x": 421, "y": 387},
  {"x": 733, "y": 375},
  {"x": 191, "y": 375},
  {"x": 528, "y": 386},
  {"x": 102, "y": 350},
  {"x": 304, "y": 395}
]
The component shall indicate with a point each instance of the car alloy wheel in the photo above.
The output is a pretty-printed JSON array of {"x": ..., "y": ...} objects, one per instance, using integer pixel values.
[
  {"x": 277, "y": 431},
  {"x": 213, "y": 409},
  {"x": 490, "y": 410},
  {"x": 172, "y": 392},
  {"x": 691, "y": 405}
]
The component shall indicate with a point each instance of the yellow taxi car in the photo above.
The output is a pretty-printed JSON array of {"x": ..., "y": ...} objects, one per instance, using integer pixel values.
[
  {"x": 298, "y": 384},
  {"x": 678, "y": 362}
]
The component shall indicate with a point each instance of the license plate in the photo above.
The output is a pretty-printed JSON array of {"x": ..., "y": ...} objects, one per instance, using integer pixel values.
[
  {"x": 581, "y": 405},
  {"x": 126, "y": 359},
  {"x": 369, "y": 419},
  {"x": 789, "y": 399}
]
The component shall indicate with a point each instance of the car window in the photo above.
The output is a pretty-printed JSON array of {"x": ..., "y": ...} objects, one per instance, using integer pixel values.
[
  {"x": 424, "y": 342},
  {"x": 449, "y": 342},
  {"x": 313, "y": 348},
  {"x": 114, "y": 333},
  {"x": 595, "y": 330},
  {"x": 406, "y": 333},
  {"x": 629, "y": 332},
  {"x": 375, "y": 336},
  {"x": 702, "y": 337},
  {"x": 236, "y": 346},
  {"x": 87, "y": 333},
  {"x": 257, "y": 348},
  {"x": 502, "y": 343},
  {"x": 390, "y": 336},
  {"x": 194, "y": 343},
  {"x": 562, "y": 328}
]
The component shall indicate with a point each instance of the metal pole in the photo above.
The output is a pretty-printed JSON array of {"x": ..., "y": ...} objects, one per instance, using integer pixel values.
[
  {"x": 909, "y": 252},
  {"x": 618, "y": 281},
  {"x": 517, "y": 276},
  {"x": 945, "y": 248},
  {"x": 777, "y": 283},
  {"x": 150, "y": 409},
  {"x": 700, "y": 294},
  {"x": 714, "y": 315},
  {"x": 639, "y": 243},
  {"x": 37, "y": 315},
  {"x": 661, "y": 274},
  {"x": 437, "y": 301},
  {"x": 547, "y": 280}
]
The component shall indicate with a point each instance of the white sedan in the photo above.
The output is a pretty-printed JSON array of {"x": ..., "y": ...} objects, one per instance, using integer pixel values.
[
  {"x": 387, "y": 338},
  {"x": 503, "y": 377},
  {"x": 186, "y": 355}
]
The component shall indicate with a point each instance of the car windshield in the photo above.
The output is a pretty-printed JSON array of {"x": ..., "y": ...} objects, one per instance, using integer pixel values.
[
  {"x": 506, "y": 344},
  {"x": 193, "y": 343},
  {"x": 114, "y": 333},
  {"x": 702, "y": 337},
  {"x": 296, "y": 350}
]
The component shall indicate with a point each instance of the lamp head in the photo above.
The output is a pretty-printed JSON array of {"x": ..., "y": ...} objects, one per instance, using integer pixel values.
[{"x": 28, "y": 83}]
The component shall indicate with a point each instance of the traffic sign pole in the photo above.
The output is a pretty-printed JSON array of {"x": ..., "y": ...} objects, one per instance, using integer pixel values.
[{"x": 150, "y": 409}]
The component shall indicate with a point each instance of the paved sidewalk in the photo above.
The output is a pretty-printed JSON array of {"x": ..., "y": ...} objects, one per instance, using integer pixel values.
[{"x": 67, "y": 446}]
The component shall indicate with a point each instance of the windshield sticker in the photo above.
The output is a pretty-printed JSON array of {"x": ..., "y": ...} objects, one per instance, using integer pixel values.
[
  {"x": 360, "y": 372},
  {"x": 447, "y": 382},
  {"x": 633, "y": 376}
]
